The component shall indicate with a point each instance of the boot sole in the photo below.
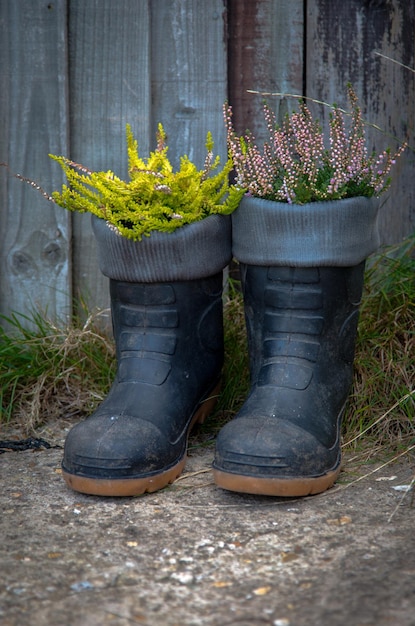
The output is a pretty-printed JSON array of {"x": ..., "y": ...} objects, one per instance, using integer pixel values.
[
  {"x": 282, "y": 487},
  {"x": 148, "y": 484}
]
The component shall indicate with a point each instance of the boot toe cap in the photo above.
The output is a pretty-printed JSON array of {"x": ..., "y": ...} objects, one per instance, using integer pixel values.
[
  {"x": 272, "y": 448},
  {"x": 116, "y": 447}
]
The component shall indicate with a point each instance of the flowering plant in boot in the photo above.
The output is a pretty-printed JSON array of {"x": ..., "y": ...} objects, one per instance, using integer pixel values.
[
  {"x": 295, "y": 166},
  {"x": 155, "y": 197}
]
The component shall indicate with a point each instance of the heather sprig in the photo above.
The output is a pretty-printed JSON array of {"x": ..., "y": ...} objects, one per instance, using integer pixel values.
[
  {"x": 295, "y": 165},
  {"x": 155, "y": 198}
]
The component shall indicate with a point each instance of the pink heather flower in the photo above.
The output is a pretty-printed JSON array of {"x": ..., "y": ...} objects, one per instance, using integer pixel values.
[{"x": 294, "y": 164}]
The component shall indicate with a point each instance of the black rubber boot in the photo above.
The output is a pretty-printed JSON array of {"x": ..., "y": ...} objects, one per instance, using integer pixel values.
[
  {"x": 302, "y": 276},
  {"x": 169, "y": 353},
  {"x": 169, "y": 344},
  {"x": 301, "y": 325}
]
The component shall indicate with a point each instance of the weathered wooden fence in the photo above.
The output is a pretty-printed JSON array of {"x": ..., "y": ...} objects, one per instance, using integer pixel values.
[{"x": 74, "y": 72}]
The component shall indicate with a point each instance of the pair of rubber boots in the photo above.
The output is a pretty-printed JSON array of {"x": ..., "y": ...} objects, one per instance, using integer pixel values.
[{"x": 302, "y": 277}]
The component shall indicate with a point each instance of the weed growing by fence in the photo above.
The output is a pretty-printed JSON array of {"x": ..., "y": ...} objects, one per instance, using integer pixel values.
[
  {"x": 382, "y": 404},
  {"x": 51, "y": 371}
]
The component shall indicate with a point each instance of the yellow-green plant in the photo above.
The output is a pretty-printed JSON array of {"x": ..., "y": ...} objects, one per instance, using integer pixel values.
[{"x": 155, "y": 197}]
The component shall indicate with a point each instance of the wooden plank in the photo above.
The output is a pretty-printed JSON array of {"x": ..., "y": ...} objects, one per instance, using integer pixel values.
[
  {"x": 34, "y": 233},
  {"x": 342, "y": 41},
  {"x": 189, "y": 79},
  {"x": 265, "y": 55},
  {"x": 110, "y": 87}
]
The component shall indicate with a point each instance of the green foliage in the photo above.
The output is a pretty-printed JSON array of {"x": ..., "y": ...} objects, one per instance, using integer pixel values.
[{"x": 155, "y": 197}]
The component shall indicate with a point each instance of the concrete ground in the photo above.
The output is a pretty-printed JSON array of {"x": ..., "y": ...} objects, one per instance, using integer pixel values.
[{"x": 194, "y": 555}]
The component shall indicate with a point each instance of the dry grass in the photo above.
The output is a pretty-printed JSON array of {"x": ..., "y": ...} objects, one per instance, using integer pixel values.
[
  {"x": 381, "y": 410},
  {"x": 52, "y": 371}
]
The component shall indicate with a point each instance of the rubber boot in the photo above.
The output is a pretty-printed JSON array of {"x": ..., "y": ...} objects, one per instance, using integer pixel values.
[
  {"x": 169, "y": 347},
  {"x": 302, "y": 286}
]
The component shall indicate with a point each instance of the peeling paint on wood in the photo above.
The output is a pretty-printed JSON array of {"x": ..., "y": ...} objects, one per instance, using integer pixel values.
[
  {"x": 342, "y": 41},
  {"x": 265, "y": 54}
]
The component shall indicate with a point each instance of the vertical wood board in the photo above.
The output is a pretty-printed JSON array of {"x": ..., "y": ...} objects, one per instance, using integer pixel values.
[
  {"x": 35, "y": 234},
  {"x": 188, "y": 75},
  {"x": 265, "y": 54},
  {"x": 109, "y": 87}
]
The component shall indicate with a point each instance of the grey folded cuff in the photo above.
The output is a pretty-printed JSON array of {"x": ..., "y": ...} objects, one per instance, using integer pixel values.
[
  {"x": 192, "y": 251},
  {"x": 332, "y": 233}
]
